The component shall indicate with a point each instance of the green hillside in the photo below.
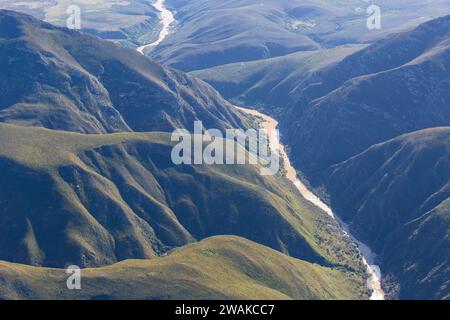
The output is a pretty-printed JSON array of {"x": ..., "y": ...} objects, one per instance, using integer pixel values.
[
  {"x": 93, "y": 200},
  {"x": 371, "y": 96},
  {"x": 65, "y": 80},
  {"x": 396, "y": 195},
  {"x": 269, "y": 83},
  {"x": 211, "y": 33},
  {"x": 216, "y": 268}
]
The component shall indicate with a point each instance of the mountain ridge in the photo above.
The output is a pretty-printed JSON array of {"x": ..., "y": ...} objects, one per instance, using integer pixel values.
[
  {"x": 62, "y": 79},
  {"x": 396, "y": 196},
  {"x": 107, "y": 198},
  {"x": 216, "y": 268},
  {"x": 374, "y": 103}
]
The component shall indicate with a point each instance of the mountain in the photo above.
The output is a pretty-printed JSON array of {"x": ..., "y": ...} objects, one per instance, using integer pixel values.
[
  {"x": 216, "y": 268},
  {"x": 269, "y": 24},
  {"x": 371, "y": 133},
  {"x": 396, "y": 86},
  {"x": 396, "y": 195},
  {"x": 210, "y": 33},
  {"x": 93, "y": 200},
  {"x": 66, "y": 80},
  {"x": 87, "y": 176},
  {"x": 268, "y": 83}
]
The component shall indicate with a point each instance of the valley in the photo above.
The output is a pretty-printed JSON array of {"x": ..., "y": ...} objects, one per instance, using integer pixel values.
[
  {"x": 373, "y": 271},
  {"x": 167, "y": 20},
  {"x": 270, "y": 124},
  {"x": 360, "y": 210}
]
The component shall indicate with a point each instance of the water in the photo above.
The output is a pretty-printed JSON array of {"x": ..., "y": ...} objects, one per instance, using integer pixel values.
[
  {"x": 374, "y": 281},
  {"x": 167, "y": 19}
]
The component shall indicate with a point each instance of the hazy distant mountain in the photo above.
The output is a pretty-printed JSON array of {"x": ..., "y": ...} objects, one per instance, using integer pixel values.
[
  {"x": 211, "y": 33},
  {"x": 96, "y": 199},
  {"x": 397, "y": 197},
  {"x": 216, "y": 268},
  {"x": 216, "y": 32},
  {"x": 129, "y": 23},
  {"x": 66, "y": 80},
  {"x": 398, "y": 85},
  {"x": 367, "y": 124}
]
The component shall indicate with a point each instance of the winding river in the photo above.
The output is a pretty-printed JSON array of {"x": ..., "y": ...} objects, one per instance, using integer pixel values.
[
  {"x": 167, "y": 19},
  {"x": 374, "y": 281},
  {"x": 268, "y": 123}
]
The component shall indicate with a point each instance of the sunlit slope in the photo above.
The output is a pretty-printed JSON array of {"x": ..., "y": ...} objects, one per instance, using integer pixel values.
[
  {"x": 216, "y": 268},
  {"x": 96, "y": 199}
]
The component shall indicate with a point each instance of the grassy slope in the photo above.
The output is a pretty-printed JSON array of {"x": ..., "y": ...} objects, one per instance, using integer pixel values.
[
  {"x": 268, "y": 83},
  {"x": 335, "y": 22},
  {"x": 216, "y": 268},
  {"x": 397, "y": 197},
  {"x": 124, "y": 192}
]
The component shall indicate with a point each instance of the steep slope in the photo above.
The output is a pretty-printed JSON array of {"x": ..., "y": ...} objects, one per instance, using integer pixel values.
[
  {"x": 268, "y": 83},
  {"x": 93, "y": 200},
  {"x": 66, "y": 80},
  {"x": 216, "y": 268},
  {"x": 399, "y": 85},
  {"x": 396, "y": 195}
]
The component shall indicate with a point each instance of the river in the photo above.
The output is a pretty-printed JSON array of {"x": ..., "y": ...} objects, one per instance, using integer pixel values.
[
  {"x": 268, "y": 123},
  {"x": 167, "y": 20},
  {"x": 374, "y": 281}
]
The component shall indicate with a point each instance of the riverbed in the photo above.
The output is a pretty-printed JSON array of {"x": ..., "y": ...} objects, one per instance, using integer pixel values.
[
  {"x": 374, "y": 281},
  {"x": 167, "y": 18},
  {"x": 269, "y": 123}
]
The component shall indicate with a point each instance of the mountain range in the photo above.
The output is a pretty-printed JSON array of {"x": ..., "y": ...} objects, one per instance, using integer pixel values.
[
  {"x": 66, "y": 80},
  {"x": 397, "y": 196},
  {"x": 85, "y": 151},
  {"x": 382, "y": 158},
  {"x": 83, "y": 184}
]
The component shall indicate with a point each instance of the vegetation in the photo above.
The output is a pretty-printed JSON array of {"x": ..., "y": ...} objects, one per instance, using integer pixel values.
[
  {"x": 66, "y": 80},
  {"x": 397, "y": 197},
  {"x": 372, "y": 96},
  {"x": 269, "y": 83},
  {"x": 237, "y": 269},
  {"x": 392, "y": 188},
  {"x": 369, "y": 125},
  {"x": 93, "y": 200}
]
